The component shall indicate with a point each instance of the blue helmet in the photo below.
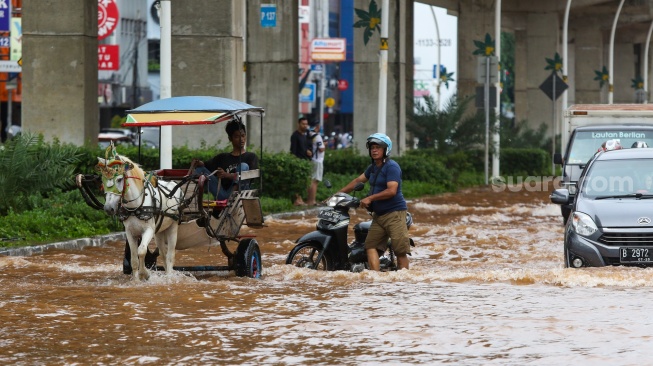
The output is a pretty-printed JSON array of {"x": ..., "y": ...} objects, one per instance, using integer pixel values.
[{"x": 381, "y": 140}]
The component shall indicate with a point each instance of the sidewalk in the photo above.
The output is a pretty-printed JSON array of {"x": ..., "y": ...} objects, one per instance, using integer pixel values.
[{"x": 100, "y": 240}]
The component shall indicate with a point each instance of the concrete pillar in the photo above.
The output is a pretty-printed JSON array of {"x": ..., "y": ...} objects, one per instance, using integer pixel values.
[
  {"x": 539, "y": 42},
  {"x": 624, "y": 72},
  {"x": 475, "y": 19},
  {"x": 589, "y": 57},
  {"x": 400, "y": 75},
  {"x": 208, "y": 38},
  {"x": 60, "y": 70},
  {"x": 272, "y": 75}
]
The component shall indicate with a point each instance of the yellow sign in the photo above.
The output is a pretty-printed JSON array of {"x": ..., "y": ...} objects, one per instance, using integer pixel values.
[{"x": 330, "y": 102}]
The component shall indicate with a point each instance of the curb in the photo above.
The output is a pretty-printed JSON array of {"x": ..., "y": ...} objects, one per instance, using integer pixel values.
[
  {"x": 95, "y": 241},
  {"x": 100, "y": 240}
]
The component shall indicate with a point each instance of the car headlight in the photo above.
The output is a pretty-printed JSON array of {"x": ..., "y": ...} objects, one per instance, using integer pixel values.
[{"x": 583, "y": 224}]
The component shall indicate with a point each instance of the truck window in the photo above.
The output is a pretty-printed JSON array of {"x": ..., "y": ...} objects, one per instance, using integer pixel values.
[{"x": 586, "y": 143}]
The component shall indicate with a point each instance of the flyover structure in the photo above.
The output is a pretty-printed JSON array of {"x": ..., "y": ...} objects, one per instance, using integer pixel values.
[{"x": 220, "y": 48}]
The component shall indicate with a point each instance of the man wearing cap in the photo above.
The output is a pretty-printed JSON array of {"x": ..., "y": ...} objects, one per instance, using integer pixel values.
[{"x": 316, "y": 161}]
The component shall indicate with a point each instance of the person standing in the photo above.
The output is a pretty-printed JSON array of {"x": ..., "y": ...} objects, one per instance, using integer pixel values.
[
  {"x": 386, "y": 203},
  {"x": 227, "y": 166},
  {"x": 299, "y": 146},
  {"x": 317, "y": 161}
]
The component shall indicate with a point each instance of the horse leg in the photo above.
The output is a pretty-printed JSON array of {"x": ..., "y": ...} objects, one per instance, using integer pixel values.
[
  {"x": 166, "y": 241},
  {"x": 133, "y": 249},
  {"x": 143, "y": 273}
]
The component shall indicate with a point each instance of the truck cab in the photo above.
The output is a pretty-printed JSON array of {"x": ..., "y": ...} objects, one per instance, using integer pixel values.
[{"x": 586, "y": 141}]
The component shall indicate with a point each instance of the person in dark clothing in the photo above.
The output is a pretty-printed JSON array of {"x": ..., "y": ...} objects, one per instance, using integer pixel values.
[
  {"x": 227, "y": 166},
  {"x": 301, "y": 148},
  {"x": 299, "y": 145}
]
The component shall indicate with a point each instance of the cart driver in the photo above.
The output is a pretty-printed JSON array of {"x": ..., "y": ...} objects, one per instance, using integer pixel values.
[{"x": 227, "y": 166}]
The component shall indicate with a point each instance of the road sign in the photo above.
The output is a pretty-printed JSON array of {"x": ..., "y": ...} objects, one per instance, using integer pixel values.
[
  {"x": 547, "y": 86},
  {"x": 481, "y": 69},
  {"x": 330, "y": 102},
  {"x": 317, "y": 67},
  {"x": 435, "y": 76},
  {"x": 328, "y": 49},
  {"x": 307, "y": 94},
  {"x": 343, "y": 85},
  {"x": 268, "y": 15},
  {"x": 10, "y": 66}
]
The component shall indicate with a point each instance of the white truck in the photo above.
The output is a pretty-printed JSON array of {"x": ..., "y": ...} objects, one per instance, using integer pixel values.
[{"x": 587, "y": 126}]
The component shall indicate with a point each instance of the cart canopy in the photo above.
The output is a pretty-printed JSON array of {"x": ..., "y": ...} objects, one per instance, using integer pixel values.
[{"x": 189, "y": 110}]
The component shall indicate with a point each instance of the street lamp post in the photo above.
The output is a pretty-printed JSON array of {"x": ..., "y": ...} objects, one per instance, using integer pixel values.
[
  {"x": 438, "y": 65},
  {"x": 611, "y": 71}
]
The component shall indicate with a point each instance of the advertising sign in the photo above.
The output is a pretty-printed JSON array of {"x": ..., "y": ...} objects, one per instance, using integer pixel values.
[
  {"x": 268, "y": 15},
  {"x": 307, "y": 94},
  {"x": 107, "y": 18},
  {"x": 16, "y": 38},
  {"x": 5, "y": 15},
  {"x": 328, "y": 49},
  {"x": 108, "y": 57}
]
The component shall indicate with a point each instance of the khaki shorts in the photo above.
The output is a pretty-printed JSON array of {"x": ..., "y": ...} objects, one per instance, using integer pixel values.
[{"x": 389, "y": 226}]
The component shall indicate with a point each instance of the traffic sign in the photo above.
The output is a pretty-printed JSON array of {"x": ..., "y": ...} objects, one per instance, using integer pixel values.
[
  {"x": 343, "y": 85},
  {"x": 330, "y": 102},
  {"x": 317, "y": 67},
  {"x": 268, "y": 15}
]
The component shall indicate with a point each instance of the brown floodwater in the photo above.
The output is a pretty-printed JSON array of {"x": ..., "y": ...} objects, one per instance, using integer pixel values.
[{"x": 486, "y": 286}]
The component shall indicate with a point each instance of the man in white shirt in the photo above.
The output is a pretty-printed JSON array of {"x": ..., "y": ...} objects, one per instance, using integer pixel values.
[{"x": 317, "y": 161}]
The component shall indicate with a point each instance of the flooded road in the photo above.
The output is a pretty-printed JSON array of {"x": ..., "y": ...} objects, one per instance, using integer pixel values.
[{"x": 486, "y": 286}]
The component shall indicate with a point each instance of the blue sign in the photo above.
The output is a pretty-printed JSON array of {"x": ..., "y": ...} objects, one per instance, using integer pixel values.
[
  {"x": 317, "y": 67},
  {"x": 268, "y": 15},
  {"x": 307, "y": 94},
  {"x": 435, "y": 71},
  {"x": 5, "y": 15}
]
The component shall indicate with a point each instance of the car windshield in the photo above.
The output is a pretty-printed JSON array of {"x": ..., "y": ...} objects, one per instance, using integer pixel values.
[
  {"x": 618, "y": 177},
  {"x": 587, "y": 143}
]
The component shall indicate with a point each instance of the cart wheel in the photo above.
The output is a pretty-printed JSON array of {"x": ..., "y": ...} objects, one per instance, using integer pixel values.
[{"x": 248, "y": 259}]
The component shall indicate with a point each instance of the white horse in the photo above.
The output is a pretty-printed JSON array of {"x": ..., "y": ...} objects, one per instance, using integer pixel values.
[{"x": 147, "y": 208}]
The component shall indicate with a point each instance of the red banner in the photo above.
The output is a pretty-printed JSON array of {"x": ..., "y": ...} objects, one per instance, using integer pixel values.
[{"x": 108, "y": 57}]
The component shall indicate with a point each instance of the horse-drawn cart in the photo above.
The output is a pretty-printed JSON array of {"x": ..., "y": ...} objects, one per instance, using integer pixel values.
[{"x": 171, "y": 205}]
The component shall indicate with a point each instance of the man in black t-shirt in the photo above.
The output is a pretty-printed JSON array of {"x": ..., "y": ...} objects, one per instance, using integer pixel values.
[
  {"x": 300, "y": 147},
  {"x": 227, "y": 166}
]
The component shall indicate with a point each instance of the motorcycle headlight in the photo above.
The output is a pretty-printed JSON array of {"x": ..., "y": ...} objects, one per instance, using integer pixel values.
[
  {"x": 582, "y": 224},
  {"x": 333, "y": 200}
]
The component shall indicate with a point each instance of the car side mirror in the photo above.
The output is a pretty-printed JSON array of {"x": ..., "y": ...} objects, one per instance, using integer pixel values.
[
  {"x": 327, "y": 183},
  {"x": 560, "y": 196},
  {"x": 557, "y": 158},
  {"x": 359, "y": 186}
]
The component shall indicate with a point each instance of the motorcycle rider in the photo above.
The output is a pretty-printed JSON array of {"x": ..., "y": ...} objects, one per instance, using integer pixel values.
[{"x": 385, "y": 202}]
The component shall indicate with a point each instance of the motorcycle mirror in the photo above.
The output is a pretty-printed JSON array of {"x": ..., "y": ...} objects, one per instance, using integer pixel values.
[
  {"x": 327, "y": 183},
  {"x": 359, "y": 186}
]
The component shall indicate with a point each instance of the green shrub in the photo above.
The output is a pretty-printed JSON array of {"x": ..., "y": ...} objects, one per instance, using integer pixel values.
[{"x": 524, "y": 162}]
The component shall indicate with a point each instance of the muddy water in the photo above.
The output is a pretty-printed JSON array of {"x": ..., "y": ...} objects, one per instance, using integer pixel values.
[{"x": 486, "y": 286}]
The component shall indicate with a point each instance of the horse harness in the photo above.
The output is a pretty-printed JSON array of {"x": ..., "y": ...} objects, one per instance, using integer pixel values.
[{"x": 148, "y": 212}]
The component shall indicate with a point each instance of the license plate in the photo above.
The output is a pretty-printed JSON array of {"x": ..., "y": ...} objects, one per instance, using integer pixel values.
[
  {"x": 635, "y": 255},
  {"x": 328, "y": 215}
]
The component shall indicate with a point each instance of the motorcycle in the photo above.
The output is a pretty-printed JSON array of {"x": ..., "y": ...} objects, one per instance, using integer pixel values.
[{"x": 327, "y": 249}]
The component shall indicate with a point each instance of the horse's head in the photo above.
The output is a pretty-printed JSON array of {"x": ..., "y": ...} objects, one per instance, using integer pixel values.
[{"x": 116, "y": 171}]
